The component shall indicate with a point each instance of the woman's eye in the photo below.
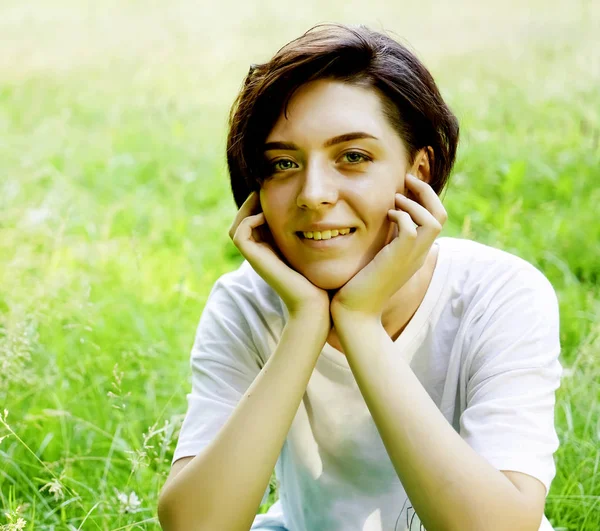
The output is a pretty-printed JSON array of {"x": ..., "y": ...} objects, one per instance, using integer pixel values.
[
  {"x": 355, "y": 157},
  {"x": 275, "y": 167}
]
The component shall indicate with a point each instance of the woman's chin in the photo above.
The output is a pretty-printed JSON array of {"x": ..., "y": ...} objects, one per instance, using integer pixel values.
[
  {"x": 328, "y": 282},
  {"x": 327, "y": 274}
]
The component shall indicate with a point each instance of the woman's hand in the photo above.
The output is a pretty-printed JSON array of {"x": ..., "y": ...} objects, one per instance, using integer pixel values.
[
  {"x": 370, "y": 289},
  {"x": 252, "y": 236}
]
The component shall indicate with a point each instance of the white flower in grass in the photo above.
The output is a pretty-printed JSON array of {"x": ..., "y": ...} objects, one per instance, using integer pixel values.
[
  {"x": 19, "y": 525},
  {"x": 15, "y": 522},
  {"x": 55, "y": 487},
  {"x": 128, "y": 504}
]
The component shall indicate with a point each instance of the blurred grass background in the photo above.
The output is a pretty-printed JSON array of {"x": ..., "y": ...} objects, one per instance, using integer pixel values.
[{"x": 115, "y": 206}]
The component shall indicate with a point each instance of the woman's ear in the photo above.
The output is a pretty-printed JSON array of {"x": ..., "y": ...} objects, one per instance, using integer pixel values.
[
  {"x": 421, "y": 168},
  {"x": 423, "y": 164}
]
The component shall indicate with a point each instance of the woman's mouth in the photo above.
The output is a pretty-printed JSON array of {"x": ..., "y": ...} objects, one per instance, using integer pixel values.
[{"x": 326, "y": 238}]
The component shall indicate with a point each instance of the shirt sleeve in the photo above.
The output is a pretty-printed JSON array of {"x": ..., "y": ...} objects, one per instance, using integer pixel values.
[
  {"x": 224, "y": 362},
  {"x": 513, "y": 376}
]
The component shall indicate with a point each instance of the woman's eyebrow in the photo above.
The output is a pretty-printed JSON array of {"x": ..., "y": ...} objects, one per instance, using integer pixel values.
[{"x": 331, "y": 142}]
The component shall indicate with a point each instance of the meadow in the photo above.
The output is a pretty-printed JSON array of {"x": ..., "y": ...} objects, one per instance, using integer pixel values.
[{"x": 115, "y": 206}]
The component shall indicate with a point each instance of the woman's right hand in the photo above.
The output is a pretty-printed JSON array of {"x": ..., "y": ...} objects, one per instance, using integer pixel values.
[{"x": 252, "y": 236}]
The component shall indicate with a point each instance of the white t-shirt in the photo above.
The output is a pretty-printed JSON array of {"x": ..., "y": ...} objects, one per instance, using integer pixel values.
[{"x": 484, "y": 343}]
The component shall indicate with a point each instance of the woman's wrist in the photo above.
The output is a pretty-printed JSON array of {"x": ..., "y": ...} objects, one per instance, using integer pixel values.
[{"x": 312, "y": 317}]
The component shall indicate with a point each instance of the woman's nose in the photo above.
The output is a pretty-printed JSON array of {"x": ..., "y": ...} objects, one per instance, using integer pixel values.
[{"x": 318, "y": 188}]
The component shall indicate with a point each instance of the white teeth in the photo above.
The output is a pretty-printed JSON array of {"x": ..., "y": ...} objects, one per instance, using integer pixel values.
[{"x": 326, "y": 234}]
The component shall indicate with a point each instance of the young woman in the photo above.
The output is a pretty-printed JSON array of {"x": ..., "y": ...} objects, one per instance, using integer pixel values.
[{"x": 394, "y": 379}]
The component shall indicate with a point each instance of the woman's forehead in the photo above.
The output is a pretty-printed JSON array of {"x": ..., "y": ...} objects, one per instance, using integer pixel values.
[
  {"x": 333, "y": 97},
  {"x": 322, "y": 111}
]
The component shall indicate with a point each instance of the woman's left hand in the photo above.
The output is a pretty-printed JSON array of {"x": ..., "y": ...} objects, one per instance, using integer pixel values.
[{"x": 370, "y": 289}]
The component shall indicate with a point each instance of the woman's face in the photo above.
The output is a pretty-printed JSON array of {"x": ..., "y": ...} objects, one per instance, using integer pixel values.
[{"x": 321, "y": 178}]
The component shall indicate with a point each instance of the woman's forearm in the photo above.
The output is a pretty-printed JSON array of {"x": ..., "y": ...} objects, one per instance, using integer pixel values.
[
  {"x": 221, "y": 488},
  {"x": 449, "y": 484}
]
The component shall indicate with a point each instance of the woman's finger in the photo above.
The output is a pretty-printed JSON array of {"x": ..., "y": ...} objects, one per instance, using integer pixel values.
[
  {"x": 420, "y": 215},
  {"x": 248, "y": 206},
  {"x": 405, "y": 223},
  {"x": 427, "y": 197},
  {"x": 247, "y": 225}
]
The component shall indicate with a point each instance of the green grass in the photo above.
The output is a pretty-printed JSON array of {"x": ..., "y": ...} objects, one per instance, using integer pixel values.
[{"x": 115, "y": 206}]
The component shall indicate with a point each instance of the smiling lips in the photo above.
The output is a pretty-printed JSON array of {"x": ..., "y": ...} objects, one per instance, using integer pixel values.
[
  {"x": 326, "y": 234},
  {"x": 328, "y": 242}
]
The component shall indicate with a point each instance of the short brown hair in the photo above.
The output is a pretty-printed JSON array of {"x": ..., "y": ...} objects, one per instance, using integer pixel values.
[{"x": 352, "y": 54}]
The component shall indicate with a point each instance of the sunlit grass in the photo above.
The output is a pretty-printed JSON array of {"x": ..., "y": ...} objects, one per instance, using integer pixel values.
[{"x": 115, "y": 205}]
